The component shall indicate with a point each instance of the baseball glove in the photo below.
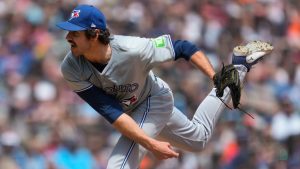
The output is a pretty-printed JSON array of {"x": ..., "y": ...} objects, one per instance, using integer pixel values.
[{"x": 228, "y": 77}]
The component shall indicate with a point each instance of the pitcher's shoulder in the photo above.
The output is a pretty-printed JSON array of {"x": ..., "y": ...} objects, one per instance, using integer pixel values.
[{"x": 128, "y": 42}]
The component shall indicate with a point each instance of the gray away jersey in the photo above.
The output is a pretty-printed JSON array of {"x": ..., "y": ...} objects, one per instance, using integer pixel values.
[{"x": 128, "y": 75}]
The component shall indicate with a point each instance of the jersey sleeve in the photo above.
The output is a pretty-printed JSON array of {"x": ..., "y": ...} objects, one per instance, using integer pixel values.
[
  {"x": 146, "y": 52},
  {"x": 184, "y": 49},
  {"x": 71, "y": 73},
  {"x": 106, "y": 105},
  {"x": 158, "y": 50}
]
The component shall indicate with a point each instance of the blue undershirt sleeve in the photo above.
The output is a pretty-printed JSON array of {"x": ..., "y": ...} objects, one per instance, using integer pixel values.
[
  {"x": 107, "y": 105},
  {"x": 184, "y": 49}
]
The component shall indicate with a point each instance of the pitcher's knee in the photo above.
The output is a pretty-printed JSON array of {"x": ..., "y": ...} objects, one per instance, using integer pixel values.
[
  {"x": 200, "y": 143},
  {"x": 197, "y": 146}
]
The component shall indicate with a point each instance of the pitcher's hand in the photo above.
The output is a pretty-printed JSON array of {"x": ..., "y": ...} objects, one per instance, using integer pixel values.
[{"x": 162, "y": 150}]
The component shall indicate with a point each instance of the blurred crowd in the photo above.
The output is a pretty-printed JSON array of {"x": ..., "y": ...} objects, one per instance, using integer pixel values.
[{"x": 44, "y": 125}]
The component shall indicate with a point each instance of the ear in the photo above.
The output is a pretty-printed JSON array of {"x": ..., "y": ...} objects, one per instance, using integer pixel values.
[
  {"x": 97, "y": 33},
  {"x": 92, "y": 34}
]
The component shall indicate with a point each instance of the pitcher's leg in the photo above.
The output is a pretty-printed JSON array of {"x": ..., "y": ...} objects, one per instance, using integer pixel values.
[
  {"x": 209, "y": 110},
  {"x": 126, "y": 153},
  {"x": 192, "y": 134},
  {"x": 183, "y": 133}
]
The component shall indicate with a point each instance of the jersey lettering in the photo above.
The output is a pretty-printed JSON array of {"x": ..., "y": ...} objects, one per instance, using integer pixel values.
[{"x": 122, "y": 88}]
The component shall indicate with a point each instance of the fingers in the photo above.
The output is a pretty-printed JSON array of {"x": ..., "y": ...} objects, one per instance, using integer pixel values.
[
  {"x": 163, "y": 150},
  {"x": 172, "y": 152},
  {"x": 166, "y": 152}
]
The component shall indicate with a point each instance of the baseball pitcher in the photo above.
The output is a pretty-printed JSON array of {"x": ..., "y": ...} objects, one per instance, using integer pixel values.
[{"x": 112, "y": 73}]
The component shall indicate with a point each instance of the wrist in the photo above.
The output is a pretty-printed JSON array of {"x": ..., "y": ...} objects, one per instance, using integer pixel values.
[{"x": 148, "y": 143}]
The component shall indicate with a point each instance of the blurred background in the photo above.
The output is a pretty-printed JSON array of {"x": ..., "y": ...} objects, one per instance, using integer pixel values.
[{"x": 44, "y": 125}]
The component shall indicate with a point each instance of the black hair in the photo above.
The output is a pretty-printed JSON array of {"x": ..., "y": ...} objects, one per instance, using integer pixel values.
[{"x": 104, "y": 36}]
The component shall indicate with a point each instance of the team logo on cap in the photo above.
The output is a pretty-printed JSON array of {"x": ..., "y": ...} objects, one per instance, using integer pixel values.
[{"x": 75, "y": 14}]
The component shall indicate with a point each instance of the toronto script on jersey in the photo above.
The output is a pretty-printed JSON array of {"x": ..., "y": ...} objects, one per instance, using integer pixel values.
[{"x": 122, "y": 88}]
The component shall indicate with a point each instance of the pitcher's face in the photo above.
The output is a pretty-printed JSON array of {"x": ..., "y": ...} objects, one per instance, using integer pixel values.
[{"x": 80, "y": 44}]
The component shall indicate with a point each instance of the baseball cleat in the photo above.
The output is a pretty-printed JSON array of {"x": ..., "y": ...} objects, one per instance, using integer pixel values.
[{"x": 251, "y": 53}]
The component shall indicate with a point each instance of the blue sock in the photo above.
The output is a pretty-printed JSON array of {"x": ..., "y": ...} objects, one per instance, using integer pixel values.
[{"x": 240, "y": 60}]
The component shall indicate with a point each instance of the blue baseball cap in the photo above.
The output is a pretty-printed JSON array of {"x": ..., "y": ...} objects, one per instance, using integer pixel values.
[{"x": 84, "y": 17}]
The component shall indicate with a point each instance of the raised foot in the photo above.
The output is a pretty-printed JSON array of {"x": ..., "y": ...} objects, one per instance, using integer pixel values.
[{"x": 253, "y": 51}]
